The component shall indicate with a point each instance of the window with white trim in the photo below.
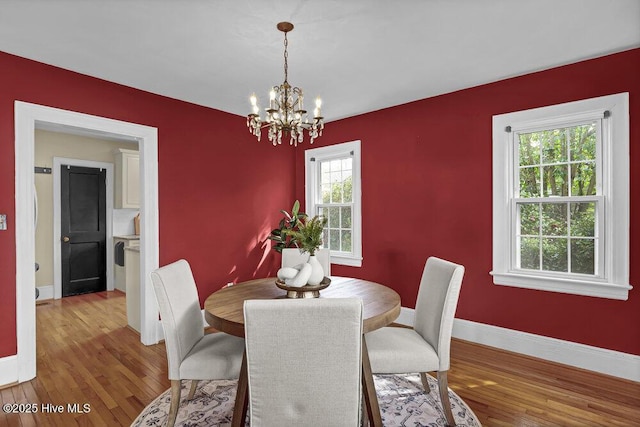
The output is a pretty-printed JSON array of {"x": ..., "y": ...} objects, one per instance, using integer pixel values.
[
  {"x": 561, "y": 198},
  {"x": 332, "y": 178}
]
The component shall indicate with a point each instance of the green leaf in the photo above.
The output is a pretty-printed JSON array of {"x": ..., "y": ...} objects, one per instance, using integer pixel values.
[
  {"x": 285, "y": 213},
  {"x": 293, "y": 231}
]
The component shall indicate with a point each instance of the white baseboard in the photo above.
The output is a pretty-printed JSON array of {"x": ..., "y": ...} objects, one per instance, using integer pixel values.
[
  {"x": 8, "y": 370},
  {"x": 46, "y": 292},
  {"x": 583, "y": 356}
]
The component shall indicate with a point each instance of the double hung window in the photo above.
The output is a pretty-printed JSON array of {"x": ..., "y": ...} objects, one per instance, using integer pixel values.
[
  {"x": 561, "y": 197},
  {"x": 333, "y": 190}
]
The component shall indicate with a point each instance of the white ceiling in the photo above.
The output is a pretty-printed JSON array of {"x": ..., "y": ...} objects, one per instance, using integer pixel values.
[{"x": 359, "y": 55}]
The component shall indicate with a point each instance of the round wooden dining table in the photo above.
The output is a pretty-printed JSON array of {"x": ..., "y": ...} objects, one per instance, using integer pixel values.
[{"x": 224, "y": 310}]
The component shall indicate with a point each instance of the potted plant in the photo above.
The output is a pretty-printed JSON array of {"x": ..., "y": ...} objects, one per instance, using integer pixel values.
[
  {"x": 288, "y": 223},
  {"x": 296, "y": 231},
  {"x": 307, "y": 235}
]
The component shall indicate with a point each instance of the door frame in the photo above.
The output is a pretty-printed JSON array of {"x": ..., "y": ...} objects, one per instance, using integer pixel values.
[
  {"x": 57, "y": 217},
  {"x": 27, "y": 118}
]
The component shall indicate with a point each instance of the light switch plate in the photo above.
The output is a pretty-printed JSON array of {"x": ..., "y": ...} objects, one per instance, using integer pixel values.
[{"x": 3, "y": 221}]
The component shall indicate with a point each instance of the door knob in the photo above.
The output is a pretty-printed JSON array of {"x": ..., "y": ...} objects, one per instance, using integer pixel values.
[{"x": 65, "y": 239}]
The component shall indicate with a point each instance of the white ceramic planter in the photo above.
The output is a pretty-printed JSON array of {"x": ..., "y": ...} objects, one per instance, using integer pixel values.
[
  {"x": 292, "y": 257},
  {"x": 317, "y": 273}
]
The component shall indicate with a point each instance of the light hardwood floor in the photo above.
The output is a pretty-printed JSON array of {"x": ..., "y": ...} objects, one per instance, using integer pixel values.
[{"x": 87, "y": 355}]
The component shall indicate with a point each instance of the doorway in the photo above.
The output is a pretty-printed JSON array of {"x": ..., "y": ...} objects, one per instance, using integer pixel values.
[
  {"x": 84, "y": 229},
  {"x": 28, "y": 117}
]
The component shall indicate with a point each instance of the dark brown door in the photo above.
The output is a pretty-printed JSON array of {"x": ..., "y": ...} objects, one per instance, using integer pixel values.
[{"x": 83, "y": 211}]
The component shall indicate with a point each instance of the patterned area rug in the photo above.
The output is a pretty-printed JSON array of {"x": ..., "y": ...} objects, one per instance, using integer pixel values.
[{"x": 402, "y": 403}]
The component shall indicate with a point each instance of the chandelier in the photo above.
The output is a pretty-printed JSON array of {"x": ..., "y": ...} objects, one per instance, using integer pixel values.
[{"x": 286, "y": 113}]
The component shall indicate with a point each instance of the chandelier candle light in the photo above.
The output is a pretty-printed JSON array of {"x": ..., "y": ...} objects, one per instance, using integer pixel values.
[{"x": 286, "y": 113}]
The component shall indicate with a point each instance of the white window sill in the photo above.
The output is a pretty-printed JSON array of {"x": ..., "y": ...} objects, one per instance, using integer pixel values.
[
  {"x": 591, "y": 288},
  {"x": 346, "y": 260}
]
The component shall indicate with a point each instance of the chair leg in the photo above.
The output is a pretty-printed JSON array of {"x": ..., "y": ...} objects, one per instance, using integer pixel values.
[
  {"x": 175, "y": 402},
  {"x": 443, "y": 387},
  {"x": 364, "y": 422},
  {"x": 425, "y": 382},
  {"x": 192, "y": 392}
]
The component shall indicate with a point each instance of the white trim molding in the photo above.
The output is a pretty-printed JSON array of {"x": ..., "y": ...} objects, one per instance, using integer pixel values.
[
  {"x": 312, "y": 158},
  {"x": 28, "y": 117},
  {"x": 8, "y": 370},
  {"x": 611, "y": 276},
  {"x": 601, "y": 360}
]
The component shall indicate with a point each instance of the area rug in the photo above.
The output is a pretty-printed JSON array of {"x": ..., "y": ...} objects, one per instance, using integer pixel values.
[{"x": 402, "y": 399}]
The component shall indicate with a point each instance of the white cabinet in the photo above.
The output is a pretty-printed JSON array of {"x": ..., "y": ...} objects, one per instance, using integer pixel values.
[
  {"x": 132, "y": 283},
  {"x": 127, "y": 185}
]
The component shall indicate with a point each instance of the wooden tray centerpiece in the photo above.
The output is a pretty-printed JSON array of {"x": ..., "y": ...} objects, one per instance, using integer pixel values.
[{"x": 306, "y": 291}]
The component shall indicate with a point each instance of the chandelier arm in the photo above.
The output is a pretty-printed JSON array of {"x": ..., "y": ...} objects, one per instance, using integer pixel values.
[{"x": 305, "y": 126}]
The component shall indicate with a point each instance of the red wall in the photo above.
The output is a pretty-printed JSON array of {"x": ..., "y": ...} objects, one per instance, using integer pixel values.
[
  {"x": 220, "y": 191},
  {"x": 426, "y": 190}
]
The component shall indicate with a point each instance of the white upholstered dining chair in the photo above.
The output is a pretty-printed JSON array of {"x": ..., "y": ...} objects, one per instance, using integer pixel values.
[
  {"x": 304, "y": 361},
  {"x": 191, "y": 354},
  {"x": 425, "y": 347}
]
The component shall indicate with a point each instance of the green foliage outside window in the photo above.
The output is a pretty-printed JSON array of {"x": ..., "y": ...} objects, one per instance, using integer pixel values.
[
  {"x": 558, "y": 236},
  {"x": 337, "y": 195}
]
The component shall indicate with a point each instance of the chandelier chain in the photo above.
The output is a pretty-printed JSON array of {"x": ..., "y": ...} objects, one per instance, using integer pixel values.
[{"x": 286, "y": 57}]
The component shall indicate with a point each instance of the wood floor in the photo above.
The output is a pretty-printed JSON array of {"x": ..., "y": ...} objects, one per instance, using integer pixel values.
[{"x": 87, "y": 355}]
